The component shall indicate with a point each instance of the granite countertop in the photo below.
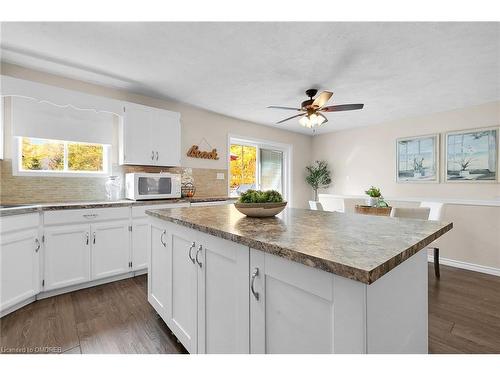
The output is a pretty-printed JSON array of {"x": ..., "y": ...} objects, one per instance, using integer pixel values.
[
  {"x": 359, "y": 247},
  {"x": 74, "y": 205}
]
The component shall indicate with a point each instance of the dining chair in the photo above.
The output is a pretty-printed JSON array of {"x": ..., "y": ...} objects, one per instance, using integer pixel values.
[
  {"x": 435, "y": 214},
  {"x": 313, "y": 205}
]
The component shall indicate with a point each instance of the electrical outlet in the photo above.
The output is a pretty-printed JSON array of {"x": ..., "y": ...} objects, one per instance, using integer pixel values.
[{"x": 220, "y": 176}]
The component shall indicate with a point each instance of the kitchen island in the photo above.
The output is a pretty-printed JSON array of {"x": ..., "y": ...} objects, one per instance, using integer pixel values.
[{"x": 302, "y": 282}]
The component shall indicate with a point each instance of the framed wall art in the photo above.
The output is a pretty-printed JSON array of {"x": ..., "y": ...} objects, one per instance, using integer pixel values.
[{"x": 418, "y": 159}]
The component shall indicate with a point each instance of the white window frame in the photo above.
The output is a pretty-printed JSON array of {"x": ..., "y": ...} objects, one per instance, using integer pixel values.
[
  {"x": 18, "y": 171},
  {"x": 286, "y": 149}
]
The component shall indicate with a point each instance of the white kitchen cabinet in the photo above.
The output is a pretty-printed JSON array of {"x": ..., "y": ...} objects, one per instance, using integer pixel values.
[
  {"x": 110, "y": 248},
  {"x": 67, "y": 255},
  {"x": 182, "y": 296},
  {"x": 291, "y": 307},
  {"x": 223, "y": 302},
  {"x": 20, "y": 247},
  {"x": 206, "y": 286},
  {"x": 149, "y": 136},
  {"x": 85, "y": 245}
]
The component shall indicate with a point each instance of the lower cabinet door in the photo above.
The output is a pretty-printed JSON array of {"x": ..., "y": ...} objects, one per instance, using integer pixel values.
[
  {"x": 67, "y": 255},
  {"x": 159, "y": 280},
  {"x": 182, "y": 297},
  {"x": 140, "y": 234},
  {"x": 19, "y": 267},
  {"x": 110, "y": 248},
  {"x": 223, "y": 296},
  {"x": 291, "y": 306}
]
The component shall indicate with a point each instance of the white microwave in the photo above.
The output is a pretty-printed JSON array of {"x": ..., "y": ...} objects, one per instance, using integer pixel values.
[{"x": 140, "y": 186}]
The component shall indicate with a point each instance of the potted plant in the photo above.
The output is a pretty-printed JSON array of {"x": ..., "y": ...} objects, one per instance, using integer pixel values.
[
  {"x": 373, "y": 196},
  {"x": 464, "y": 163},
  {"x": 318, "y": 176},
  {"x": 257, "y": 203},
  {"x": 418, "y": 167}
]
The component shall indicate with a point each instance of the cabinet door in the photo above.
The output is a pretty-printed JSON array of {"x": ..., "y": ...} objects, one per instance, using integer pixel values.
[
  {"x": 291, "y": 310},
  {"x": 182, "y": 293},
  {"x": 110, "y": 248},
  {"x": 67, "y": 255},
  {"x": 159, "y": 280},
  {"x": 19, "y": 267},
  {"x": 223, "y": 296},
  {"x": 136, "y": 135},
  {"x": 140, "y": 235},
  {"x": 166, "y": 137}
]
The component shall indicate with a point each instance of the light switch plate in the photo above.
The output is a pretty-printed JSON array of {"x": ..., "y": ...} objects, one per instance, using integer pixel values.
[{"x": 220, "y": 176}]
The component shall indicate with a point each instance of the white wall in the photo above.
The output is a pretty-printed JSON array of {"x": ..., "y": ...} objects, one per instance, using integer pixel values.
[
  {"x": 367, "y": 156},
  {"x": 196, "y": 124}
]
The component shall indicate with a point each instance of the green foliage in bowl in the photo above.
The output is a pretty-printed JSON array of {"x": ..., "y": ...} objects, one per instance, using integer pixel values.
[{"x": 258, "y": 196}]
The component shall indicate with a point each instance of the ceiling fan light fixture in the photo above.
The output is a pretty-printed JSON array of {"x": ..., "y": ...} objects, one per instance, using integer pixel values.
[{"x": 312, "y": 120}]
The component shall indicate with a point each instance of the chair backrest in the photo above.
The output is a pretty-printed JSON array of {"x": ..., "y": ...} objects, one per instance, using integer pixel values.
[
  {"x": 436, "y": 209},
  {"x": 313, "y": 205},
  {"x": 333, "y": 204},
  {"x": 411, "y": 213}
]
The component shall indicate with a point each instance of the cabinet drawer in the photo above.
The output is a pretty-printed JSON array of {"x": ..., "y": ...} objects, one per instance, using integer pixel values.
[
  {"x": 140, "y": 211},
  {"x": 19, "y": 222},
  {"x": 86, "y": 215}
]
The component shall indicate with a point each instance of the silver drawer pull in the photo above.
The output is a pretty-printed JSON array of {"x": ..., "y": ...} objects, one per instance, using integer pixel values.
[
  {"x": 199, "y": 251},
  {"x": 254, "y": 275},
  {"x": 94, "y": 238},
  {"x": 193, "y": 245},
  {"x": 89, "y": 216},
  {"x": 87, "y": 236},
  {"x": 37, "y": 242}
]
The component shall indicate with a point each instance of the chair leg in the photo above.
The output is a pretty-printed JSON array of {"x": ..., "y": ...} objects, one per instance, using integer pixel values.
[{"x": 436, "y": 262}]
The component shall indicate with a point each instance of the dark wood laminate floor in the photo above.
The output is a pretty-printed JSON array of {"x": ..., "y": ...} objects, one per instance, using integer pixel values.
[
  {"x": 110, "y": 318},
  {"x": 464, "y": 317}
]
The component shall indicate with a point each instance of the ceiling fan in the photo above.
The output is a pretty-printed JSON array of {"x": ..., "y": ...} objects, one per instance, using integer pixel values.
[{"x": 311, "y": 109}]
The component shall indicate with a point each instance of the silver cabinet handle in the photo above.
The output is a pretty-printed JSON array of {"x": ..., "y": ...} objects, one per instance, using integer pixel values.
[
  {"x": 87, "y": 235},
  {"x": 254, "y": 275},
  {"x": 199, "y": 251},
  {"x": 161, "y": 238},
  {"x": 89, "y": 216},
  {"x": 193, "y": 245},
  {"x": 37, "y": 242},
  {"x": 93, "y": 241},
  {"x": 156, "y": 155},
  {"x": 152, "y": 155}
]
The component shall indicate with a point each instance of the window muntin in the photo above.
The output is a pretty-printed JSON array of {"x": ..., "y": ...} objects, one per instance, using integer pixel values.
[{"x": 39, "y": 156}]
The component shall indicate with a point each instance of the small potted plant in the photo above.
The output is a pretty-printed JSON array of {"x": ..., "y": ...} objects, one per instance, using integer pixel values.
[
  {"x": 257, "y": 203},
  {"x": 318, "y": 176},
  {"x": 464, "y": 164},
  {"x": 374, "y": 195}
]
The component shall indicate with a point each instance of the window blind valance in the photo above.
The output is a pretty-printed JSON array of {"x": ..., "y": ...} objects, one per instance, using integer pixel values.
[{"x": 42, "y": 119}]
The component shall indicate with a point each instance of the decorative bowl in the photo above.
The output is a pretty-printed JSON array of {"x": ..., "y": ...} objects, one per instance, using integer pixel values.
[{"x": 260, "y": 209}]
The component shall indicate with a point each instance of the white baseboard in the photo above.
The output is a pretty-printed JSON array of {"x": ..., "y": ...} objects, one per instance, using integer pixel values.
[{"x": 466, "y": 266}]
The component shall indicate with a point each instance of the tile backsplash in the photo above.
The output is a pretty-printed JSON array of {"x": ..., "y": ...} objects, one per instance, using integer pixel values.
[{"x": 27, "y": 189}]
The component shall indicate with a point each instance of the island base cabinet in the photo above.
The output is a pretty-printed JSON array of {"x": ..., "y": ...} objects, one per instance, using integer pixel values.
[
  {"x": 300, "y": 309},
  {"x": 158, "y": 277},
  {"x": 223, "y": 296}
]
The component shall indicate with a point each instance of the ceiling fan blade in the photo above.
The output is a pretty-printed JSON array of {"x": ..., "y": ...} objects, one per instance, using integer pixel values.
[
  {"x": 342, "y": 107},
  {"x": 326, "y": 119},
  {"x": 279, "y": 107},
  {"x": 289, "y": 118},
  {"x": 322, "y": 98}
]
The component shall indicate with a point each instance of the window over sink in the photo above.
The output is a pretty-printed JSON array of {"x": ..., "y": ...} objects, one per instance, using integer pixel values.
[{"x": 49, "y": 157}]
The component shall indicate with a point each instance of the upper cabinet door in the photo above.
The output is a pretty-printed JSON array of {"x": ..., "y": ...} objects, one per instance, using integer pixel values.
[
  {"x": 135, "y": 136},
  {"x": 150, "y": 136},
  {"x": 166, "y": 137}
]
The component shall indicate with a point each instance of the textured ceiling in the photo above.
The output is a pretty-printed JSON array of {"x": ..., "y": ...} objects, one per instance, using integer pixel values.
[{"x": 397, "y": 70}]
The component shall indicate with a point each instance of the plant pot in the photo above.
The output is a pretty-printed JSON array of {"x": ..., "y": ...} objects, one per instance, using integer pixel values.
[
  {"x": 417, "y": 174},
  {"x": 464, "y": 173},
  {"x": 260, "y": 209},
  {"x": 372, "y": 201}
]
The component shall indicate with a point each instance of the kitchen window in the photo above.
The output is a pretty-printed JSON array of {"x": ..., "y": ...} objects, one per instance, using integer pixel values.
[
  {"x": 48, "y": 157},
  {"x": 259, "y": 165}
]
